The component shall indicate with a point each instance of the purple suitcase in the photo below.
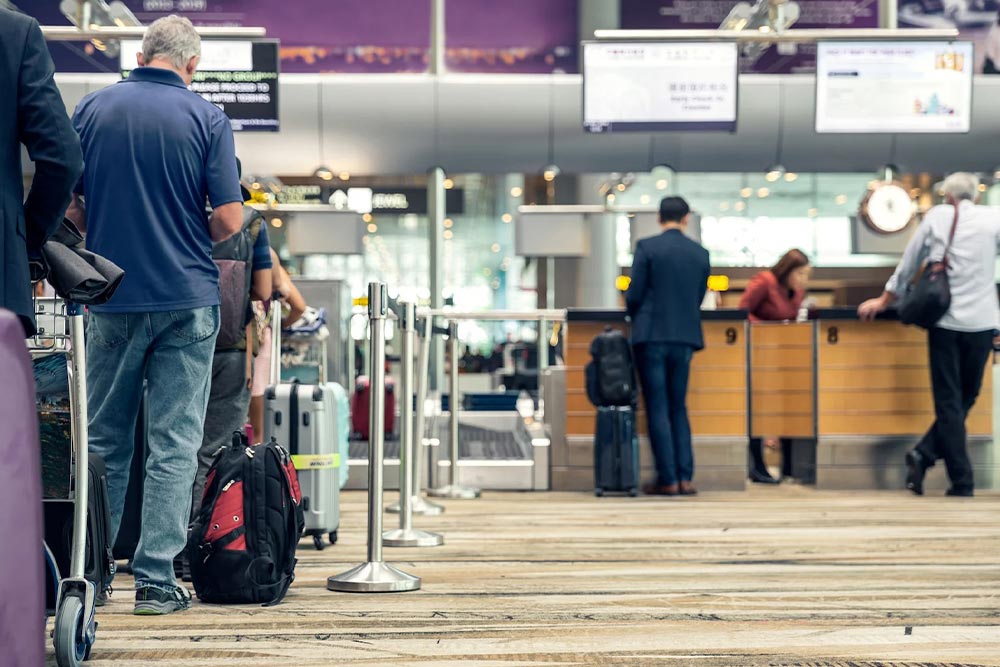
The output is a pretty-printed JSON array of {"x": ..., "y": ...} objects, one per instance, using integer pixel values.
[{"x": 22, "y": 587}]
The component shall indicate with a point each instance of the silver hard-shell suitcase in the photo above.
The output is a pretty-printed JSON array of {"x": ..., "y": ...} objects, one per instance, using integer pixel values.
[{"x": 303, "y": 419}]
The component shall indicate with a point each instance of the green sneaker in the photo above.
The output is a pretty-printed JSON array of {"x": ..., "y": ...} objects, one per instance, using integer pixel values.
[{"x": 152, "y": 601}]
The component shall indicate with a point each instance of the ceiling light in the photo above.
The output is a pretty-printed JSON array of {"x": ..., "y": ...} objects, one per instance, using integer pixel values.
[
  {"x": 495, "y": 247},
  {"x": 763, "y": 192},
  {"x": 345, "y": 176},
  {"x": 996, "y": 174},
  {"x": 620, "y": 187},
  {"x": 507, "y": 218},
  {"x": 841, "y": 200},
  {"x": 746, "y": 193},
  {"x": 372, "y": 228},
  {"x": 276, "y": 223},
  {"x": 448, "y": 184},
  {"x": 516, "y": 191},
  {"x": 367, "y": 217},
  {"x": 550, "y": 172},
  {"x": 774, "y": 174},
  {"x": 448, "y": 223},
  {"x": 813, "y": 212},
  {"x": 644, "y": 199},
  {"x": 724, "y": 206},
  {"x": 611, "y": 198},
  {"x": 323, "y": 173},
  {"x": 791, "y": 177},
  {"x": 662, "y": 184},
  {"x": 740, "y": 206},
  {"x": 982, "y": 187},
  {"x": 448, "y": 234}
]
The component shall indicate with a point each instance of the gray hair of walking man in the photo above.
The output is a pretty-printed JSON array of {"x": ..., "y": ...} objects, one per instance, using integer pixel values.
[
  {"x": 172, "y": 42},
  {"x": 960, "y": 185}
]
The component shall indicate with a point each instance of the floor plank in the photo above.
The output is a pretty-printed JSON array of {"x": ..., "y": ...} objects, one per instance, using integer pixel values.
[{"x": 781, "y": 576}]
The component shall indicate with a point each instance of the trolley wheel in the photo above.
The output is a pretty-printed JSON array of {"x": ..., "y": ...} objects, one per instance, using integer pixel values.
[
  {"x": 318, "y": 542},
  {"x": 70, "y": 646},
  {"x": 333, "y": 537},
  {"x": 633, "y": 492},
  {"x": 599, "y": 492}
]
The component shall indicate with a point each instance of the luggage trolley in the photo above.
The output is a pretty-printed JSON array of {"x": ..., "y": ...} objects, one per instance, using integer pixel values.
[{"x": 60, "y": 331}]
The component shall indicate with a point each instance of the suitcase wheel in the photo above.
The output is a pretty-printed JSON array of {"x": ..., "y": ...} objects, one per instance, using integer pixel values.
[
  {"x": 633, "y": 492},
  {"x": 333, "y": 537},
  {"x": 599, "y": 492},
  {"x": 318, "y": 542}
]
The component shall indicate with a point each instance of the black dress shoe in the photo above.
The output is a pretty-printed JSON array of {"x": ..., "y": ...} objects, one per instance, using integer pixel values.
[
  {"x": 762, "y": 477},
  {"x": 959, "y": 493},
  {"x": 916, "y": 469}
]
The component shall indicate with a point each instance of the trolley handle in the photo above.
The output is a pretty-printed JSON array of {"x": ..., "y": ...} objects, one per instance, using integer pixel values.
[{"x": 275, "y": 366}]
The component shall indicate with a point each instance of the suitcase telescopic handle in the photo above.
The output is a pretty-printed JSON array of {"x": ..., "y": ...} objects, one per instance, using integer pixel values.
[{"x": 275, "y": 366}]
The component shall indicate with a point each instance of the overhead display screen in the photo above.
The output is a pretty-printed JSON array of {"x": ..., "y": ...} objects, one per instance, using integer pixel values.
[
  {"x": 651, "y": 87},
  {"x": 904, "y": 87},
  {"x": 239, "y": 77}
]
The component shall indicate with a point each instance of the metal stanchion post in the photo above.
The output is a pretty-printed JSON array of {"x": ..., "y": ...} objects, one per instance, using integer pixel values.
[
  {"x": 454, "y": 489},
  {"x": 419, "y": 504},
  {"x": 406, "y": 535},
  {"x": 375, "y": 576}
]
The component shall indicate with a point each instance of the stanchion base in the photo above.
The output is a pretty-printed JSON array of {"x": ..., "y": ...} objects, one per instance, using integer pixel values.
[
  {"x": 455, "y": 491},
  {"x": 373, "y": 578},
  {"x": 411, "y": 538},
  {"x": 420, "y": 506}
]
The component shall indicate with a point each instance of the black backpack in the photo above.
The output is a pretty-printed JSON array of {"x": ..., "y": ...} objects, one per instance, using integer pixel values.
[
  {"x": 234, "y": 257},
  {"x": 611, "y": 374},
  {"x": 242, "y": 543}
]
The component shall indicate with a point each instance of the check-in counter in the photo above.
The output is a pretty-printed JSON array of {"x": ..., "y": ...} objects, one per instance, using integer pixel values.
[
  {"x": 717, "y": 403},
  {"x": 874, "y": 402}
]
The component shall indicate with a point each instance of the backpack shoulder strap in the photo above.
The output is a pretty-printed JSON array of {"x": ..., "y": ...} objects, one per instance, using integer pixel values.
[{"x": 951, "y": 236}]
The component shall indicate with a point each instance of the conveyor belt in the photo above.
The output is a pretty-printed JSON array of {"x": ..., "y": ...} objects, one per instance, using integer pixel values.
[{"x": 474, "y": 443}]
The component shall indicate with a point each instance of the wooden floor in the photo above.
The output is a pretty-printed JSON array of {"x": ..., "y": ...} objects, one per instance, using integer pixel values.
[{"x": 778, "y": 576}]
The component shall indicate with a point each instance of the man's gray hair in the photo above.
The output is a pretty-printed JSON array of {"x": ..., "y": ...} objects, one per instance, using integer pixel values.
[
  {"x": 961, "y": 185},
  {"x": 172, "y": 38}
]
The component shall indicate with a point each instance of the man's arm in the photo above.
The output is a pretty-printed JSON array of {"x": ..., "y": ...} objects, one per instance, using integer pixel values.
[
  {"x": 226, "y": 220},
  {"x": 637, "y": 287},
  {"x": 77, "y": 213},
  {"x": 53, "y": 145},
  {"x": 908, "y": 267}
]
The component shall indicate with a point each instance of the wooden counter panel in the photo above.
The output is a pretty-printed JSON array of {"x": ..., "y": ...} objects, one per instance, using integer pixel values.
[
  {"x": 784, "y": 425},
  {"x": 793, "y": 358},
  {"x": 781, "y": 402},
  {"x": 910, "y": 423},
  {"x": 703, "y": 423},
  {"x": 783, "y": 335},
  {"x": 874, "y": 380},
  {"x": 767, "y": 380},
  {"x": 721, "y": 379}
]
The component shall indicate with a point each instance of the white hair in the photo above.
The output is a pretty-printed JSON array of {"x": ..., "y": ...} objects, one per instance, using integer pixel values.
[
  {"x": 961, "y": 185},
  {"x": 172, "y": 38}
]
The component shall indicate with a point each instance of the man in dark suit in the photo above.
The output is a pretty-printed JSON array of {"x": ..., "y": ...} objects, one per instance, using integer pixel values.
[
  {"x": 669, "y": 279},
  {"x": 31, "y": 113}
]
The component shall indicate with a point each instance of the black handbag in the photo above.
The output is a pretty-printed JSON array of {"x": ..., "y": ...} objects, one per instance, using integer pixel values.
[{"x": 929, "y": 297}]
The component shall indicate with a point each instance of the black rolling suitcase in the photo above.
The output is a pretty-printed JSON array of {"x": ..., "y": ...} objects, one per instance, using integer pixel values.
[
  {"x": 616, "y": 451},
  {"x": 100, "y": 565}
]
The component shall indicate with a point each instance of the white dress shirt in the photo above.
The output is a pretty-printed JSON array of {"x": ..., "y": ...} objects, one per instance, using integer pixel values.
[{"x": 971, "y": 263}]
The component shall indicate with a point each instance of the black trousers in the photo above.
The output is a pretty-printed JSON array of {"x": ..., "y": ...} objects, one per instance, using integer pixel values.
[{"x": 958, "y": 361}]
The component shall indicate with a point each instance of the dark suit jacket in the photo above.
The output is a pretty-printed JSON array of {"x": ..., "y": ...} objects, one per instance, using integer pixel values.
[
  {"x": 31, "y": 113},
  {"x": 669, "y": 279}
]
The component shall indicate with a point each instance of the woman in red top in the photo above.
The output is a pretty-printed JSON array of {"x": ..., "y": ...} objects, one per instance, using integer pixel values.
[{"x": 775, "y": 295}]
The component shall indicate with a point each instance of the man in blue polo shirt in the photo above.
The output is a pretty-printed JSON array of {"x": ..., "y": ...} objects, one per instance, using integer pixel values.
[{"x": 154, "y": 153}]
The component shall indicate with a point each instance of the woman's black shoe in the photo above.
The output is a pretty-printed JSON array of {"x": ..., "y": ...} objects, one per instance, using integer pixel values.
[{"x": 758, "y": 470}]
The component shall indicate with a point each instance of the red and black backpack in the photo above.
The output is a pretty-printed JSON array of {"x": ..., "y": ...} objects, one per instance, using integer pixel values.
[{"x": 242, "y": 543}]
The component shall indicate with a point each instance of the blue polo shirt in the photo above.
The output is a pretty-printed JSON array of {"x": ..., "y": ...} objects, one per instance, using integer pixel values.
[{"x": 154, "y": 153}]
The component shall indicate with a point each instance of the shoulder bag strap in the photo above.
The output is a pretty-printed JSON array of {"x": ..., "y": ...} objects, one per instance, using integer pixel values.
[{"x": 951, "y": 237}]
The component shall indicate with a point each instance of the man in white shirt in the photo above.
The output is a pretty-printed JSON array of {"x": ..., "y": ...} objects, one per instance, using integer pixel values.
[{"x": 961, "y": 342}]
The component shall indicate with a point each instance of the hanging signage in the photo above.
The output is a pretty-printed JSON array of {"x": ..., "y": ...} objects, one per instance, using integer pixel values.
[
  {"x": 239, "y": 77},
  {"x": 370, "y": 200}
]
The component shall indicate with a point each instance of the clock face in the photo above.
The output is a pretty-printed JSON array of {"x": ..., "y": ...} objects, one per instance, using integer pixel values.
[{"x": 888, "y": 209}]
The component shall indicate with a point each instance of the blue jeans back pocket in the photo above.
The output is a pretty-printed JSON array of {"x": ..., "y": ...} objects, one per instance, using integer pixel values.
[{"x": 196, "y": 324}]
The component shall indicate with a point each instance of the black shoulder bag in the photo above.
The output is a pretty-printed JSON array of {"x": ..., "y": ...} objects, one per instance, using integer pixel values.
[{"x": 929, "y": 297}]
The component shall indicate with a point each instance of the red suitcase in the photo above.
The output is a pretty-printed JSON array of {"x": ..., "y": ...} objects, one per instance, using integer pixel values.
[{"x": 359, "y": 408}]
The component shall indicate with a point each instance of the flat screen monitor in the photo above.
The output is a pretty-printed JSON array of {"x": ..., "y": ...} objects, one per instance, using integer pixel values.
[
  {"x": 662, "y": 86},
  {"x": 894, "y": 87},
  {"x": 240, "y": 77}
]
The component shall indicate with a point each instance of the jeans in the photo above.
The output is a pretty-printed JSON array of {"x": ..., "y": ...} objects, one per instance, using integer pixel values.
[
  {"x": 172, "y": 350},
  {"x": 228, "y": 407},
  {"x": 664, "y": 369},
  {"x": 958, "y": 362}
]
